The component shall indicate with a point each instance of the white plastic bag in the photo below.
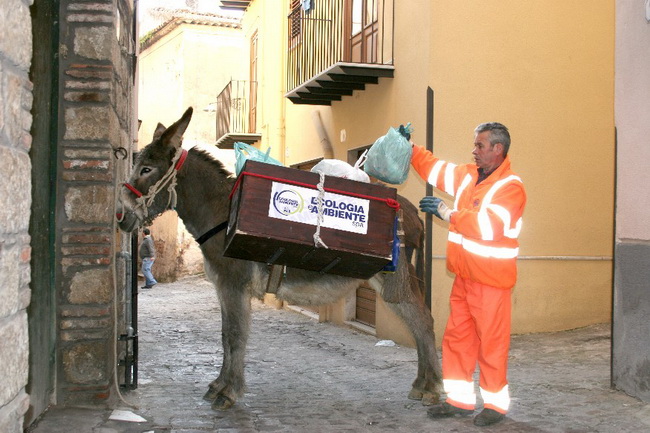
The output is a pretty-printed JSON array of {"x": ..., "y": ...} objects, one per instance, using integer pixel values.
[{"x": 337, "y": 168}]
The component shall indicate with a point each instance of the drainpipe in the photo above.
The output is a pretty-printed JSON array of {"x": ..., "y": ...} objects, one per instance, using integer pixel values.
[
  {"x": 428, "y": 219},
  {"x": 326, "y": 144}
]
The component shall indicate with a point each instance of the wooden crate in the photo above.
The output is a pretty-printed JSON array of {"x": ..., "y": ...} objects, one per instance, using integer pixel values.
[{"x": 273, "y": 220}]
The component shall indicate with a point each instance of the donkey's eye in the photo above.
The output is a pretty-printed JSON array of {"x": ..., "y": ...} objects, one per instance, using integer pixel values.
[{"x": 144, "y": 171}]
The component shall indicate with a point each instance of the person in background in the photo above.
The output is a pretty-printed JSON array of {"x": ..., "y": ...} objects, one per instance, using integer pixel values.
[
  {"x": 484, "y": 224},
  {"x": 147, "y": 253}
]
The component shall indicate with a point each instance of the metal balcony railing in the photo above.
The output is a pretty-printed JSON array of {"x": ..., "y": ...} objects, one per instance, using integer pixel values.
[
  {"x": 338, "y": 41},
  {"x": 236, "y": 114}
]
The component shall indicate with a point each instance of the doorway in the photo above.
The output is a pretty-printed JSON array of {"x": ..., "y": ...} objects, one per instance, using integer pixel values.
[
  {"x": 42, "y": 309},
  {"x": 363, "y": 31}
]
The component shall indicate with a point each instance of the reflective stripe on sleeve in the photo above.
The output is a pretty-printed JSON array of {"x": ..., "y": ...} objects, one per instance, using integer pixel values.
[
  {"x": 513, "y": 233},
  {"x": 484, "y": 225},
  {"x": 435, "y": 171},
  {"x": 461, "y": 189},
  {"x": 498, "y": 184},
  {"x": 449, "y": 178},
  {"x": 487, "y": 232}
]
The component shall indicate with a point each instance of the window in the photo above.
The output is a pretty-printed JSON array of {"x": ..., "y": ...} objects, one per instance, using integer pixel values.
[{"x": 295, "y": 23}]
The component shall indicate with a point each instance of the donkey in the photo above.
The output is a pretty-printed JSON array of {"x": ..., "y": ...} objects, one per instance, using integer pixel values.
[{"x": 197, "y": 185}]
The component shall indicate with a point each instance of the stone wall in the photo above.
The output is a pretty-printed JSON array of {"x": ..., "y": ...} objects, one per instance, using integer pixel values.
[
  {"x": 15, "y": 199},
  {"x": 96, "y": 86}
]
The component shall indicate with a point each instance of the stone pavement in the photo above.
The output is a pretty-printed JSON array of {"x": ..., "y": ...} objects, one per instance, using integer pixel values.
[{"x": 305, "y": 376}]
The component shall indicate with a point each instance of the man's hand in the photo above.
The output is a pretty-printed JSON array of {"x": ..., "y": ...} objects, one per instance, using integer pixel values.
[
  {"x": 404, "y": 130},
  {"x": 436, "y": 206}
]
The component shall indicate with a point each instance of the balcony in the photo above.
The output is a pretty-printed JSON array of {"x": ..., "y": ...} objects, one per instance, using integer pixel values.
[
  {"x": 235, "y": 4},
  {"x": 236, "y": 114},
  {"x": 337, "y": 48}
]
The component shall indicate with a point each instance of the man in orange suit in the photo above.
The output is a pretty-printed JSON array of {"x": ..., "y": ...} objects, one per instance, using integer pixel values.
[{"x": 482, "y": 248}]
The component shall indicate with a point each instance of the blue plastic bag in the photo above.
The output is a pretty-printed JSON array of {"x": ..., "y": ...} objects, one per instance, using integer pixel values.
[
  {"x": 389, "y": 158},
  {"x": 244, "y": 152}
]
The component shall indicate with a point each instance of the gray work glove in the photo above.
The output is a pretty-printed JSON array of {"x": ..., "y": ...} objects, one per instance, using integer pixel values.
[{"x": 437, "y": 207}]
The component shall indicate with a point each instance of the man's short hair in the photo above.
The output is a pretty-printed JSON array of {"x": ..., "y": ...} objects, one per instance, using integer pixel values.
[
  {"x": 498, "y": 134},
  {"x": 146, "y": 231}
]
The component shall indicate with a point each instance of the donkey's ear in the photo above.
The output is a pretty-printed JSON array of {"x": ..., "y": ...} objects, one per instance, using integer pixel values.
[
  {"x": 173, "y": 135},
  {"x": 159, "y": 131}
]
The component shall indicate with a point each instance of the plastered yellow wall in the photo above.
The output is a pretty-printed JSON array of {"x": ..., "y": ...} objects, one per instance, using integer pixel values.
[
  {"x": 545, "y": 69},
  {"x": 267, "y": 20},
  {"x": 188, "y": 67}
]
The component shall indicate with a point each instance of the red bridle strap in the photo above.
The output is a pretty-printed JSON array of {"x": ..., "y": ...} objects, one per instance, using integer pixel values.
[
  {"x": 133, "y": 189},
  {"x": 181, "y": 160},
  {"x": 179, "y": 164}
]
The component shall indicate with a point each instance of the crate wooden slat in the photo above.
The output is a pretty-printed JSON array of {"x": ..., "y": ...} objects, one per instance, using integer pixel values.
[{"x": 255, "y": 235}]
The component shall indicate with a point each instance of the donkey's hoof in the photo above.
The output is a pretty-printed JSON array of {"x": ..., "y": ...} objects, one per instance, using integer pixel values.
[
  {"x": 222, "y": 402},
  {"x": 430, "y": 398},
  {"x": 211, "y": 394},
  {"x": 427, "y": 398},
  {"x": 415, "y": 394}
]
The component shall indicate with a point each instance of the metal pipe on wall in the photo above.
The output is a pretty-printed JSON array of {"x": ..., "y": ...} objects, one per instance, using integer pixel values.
[
  {"x": 326, "y": 144},
  {"x": 428, "y": 221}
]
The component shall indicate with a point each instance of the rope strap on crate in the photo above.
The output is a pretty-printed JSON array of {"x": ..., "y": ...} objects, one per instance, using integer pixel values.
[{"x": 318, "y": 242}]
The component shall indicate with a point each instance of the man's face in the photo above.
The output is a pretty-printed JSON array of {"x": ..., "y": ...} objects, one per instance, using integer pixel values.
[{"x": 486, "y": 156}]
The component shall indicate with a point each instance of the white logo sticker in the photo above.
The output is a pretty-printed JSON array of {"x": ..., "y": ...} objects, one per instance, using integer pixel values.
[{"x": 340, "y": 212}]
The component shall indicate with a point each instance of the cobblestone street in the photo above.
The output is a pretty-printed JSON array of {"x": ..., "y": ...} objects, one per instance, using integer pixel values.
[{"x": 305, "y": 376}]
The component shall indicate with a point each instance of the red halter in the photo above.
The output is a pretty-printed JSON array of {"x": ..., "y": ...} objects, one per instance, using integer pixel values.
[{"x": 177, "y": 167}]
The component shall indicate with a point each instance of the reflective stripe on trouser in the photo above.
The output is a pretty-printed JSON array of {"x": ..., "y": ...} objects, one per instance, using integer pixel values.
[
  {"x": 460, "y": 393},
  {"x": 478, "y": 330},
  {"x": 499, "y": 401}
]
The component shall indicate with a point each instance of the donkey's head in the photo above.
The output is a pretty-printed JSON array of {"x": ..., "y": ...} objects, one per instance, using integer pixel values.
[{"x": 150, "y": 189}]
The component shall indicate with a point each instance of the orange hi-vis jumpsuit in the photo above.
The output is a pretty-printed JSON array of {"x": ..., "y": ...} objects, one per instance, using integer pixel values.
[{"x": 482, "y": 250}]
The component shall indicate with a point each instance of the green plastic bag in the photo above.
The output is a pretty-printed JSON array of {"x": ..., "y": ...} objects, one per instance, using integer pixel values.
[
  {"x": 389, "y": 158},
  {"x": 244, "y": 152}
]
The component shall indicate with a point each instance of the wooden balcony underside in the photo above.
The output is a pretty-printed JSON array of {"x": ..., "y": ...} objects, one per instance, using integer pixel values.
[
  {"x": 227, "y": 141},
  {"x": 235, "y": 4},
  {"x": 341, "y": 79}
]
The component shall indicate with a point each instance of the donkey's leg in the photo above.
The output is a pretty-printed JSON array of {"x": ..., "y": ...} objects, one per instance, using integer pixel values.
[
  {"x": 218, "y": 384},
  {"x": 401, "y": 293},
  {"x": 235, "y": 319}
]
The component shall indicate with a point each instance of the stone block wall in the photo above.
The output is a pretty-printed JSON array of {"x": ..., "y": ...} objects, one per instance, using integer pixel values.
[
  {"x": 96, "y": 86},
  {"x": 15, "y": 200}
]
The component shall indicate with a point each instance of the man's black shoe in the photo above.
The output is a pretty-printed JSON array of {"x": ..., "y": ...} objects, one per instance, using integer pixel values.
[
  {"x": 445, "y": 410},
  {"x": 488, "y": 417},
  {"x": 146, "y": 287}
]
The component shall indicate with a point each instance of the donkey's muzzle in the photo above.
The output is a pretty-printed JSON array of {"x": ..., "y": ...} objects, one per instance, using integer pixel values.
[{"x": 126, "y": 220}]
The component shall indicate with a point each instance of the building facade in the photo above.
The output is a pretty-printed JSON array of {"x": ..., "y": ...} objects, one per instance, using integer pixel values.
[
  {"x": 185, "y": 61},
  {"x": 544, "y": 70}
]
